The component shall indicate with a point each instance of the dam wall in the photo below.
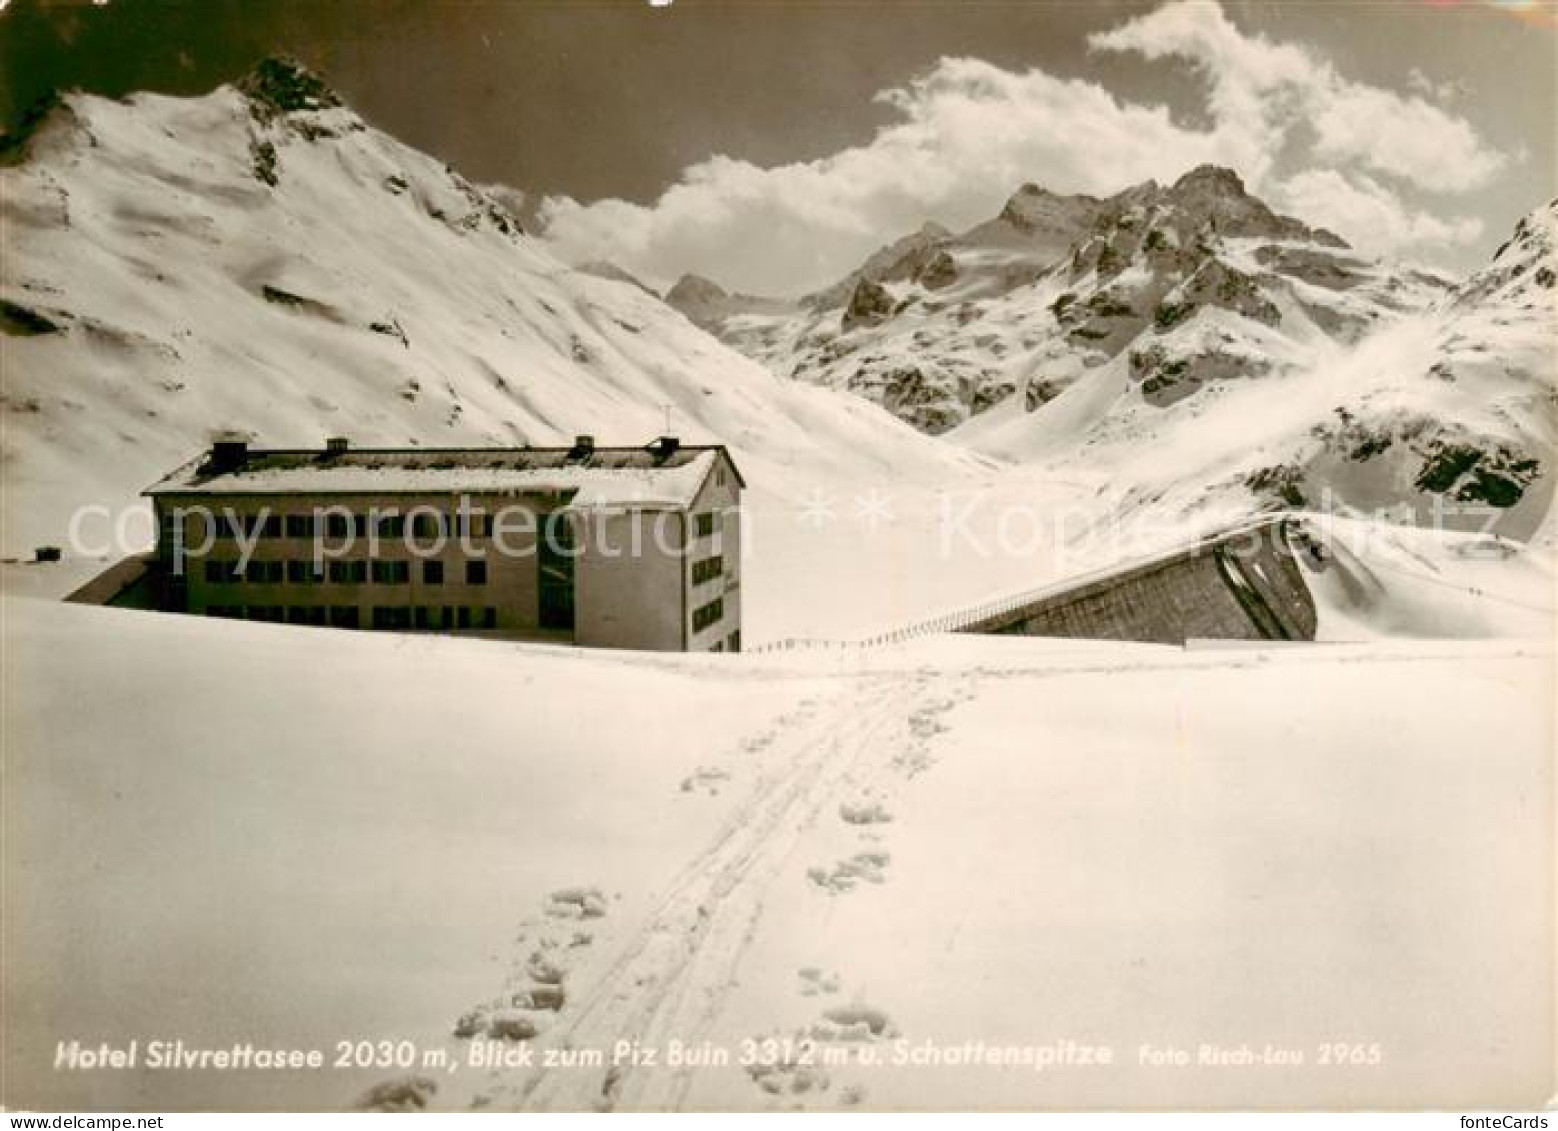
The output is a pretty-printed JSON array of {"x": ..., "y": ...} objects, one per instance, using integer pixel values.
[{"x": 1241, "y": 586}]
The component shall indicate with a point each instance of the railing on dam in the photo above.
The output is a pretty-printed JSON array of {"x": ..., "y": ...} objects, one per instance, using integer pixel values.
[{"x": 1011, "y": 605}]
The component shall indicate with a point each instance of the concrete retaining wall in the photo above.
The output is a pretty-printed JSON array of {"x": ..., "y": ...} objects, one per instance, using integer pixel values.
[{"x": 1245, "y": 586}]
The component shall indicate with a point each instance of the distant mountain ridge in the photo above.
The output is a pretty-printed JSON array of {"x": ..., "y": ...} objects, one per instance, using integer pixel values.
[
  {"x": 1083, "y": 330},
  {"x": 938, "y": 327}
]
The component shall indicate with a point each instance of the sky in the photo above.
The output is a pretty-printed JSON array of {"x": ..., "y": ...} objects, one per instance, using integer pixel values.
[{"x": 771, "y": 145}]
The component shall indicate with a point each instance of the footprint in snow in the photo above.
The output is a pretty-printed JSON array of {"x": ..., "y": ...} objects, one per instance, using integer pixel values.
[{"x": 867, "y": 867}]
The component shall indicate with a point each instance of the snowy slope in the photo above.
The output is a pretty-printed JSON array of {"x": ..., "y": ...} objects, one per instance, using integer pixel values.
[
  {"x": 260, "y": 259},
  {"x": 935, "y": 844}
]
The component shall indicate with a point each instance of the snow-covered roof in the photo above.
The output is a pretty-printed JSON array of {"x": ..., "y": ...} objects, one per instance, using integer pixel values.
[{"x": 642, "y": 478}]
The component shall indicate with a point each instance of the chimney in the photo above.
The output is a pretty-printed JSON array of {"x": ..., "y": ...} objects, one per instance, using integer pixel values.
[
  {"x": 229, "y": 453},
  {"x": 583, "y": 448},
  {"x": 665, "y": 447},
  {"x": 337, "y": 445}
]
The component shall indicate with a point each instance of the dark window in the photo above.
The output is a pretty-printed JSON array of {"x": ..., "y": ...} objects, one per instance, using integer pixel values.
[
  {"x": 304, "y": 572},
  {"x": 489, "y": 617},
  {"x": 392, "y": 526},
  {"x": 262, "y": 525},
  {"x": 338, "y": 525},
  {"x": 267, "y": 612},
  {"x": 707, "y": 570},
  {"x": 221, "y": 572},
  {"x": 704, "y": 524},
  {"x": 419, "y": 616},
  {"x": 733, "y": 642},
  {"x": 343, "y": 616},
  {"x": 555, "y": 572},
  {"x": 432, "y": 573},
  {"x": 465, "y": 617},
  {"x": 476, "y": 573},
  {"x": 705, "y": 615},
  {"x": 349, "y": 573},
  {"x": 391, "y": 616},
  {"x": 300, "y": 526},
  {"x": 427, "y": 525},
  {"x": 391, "y": 573},
  {"x": 263, "y": 572}
]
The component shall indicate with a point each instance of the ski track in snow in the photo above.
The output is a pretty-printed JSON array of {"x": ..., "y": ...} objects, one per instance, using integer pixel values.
[{"x": 671, "y": 976}]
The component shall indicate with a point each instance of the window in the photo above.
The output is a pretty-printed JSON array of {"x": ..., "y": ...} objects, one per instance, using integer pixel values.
[
  {"x": 267, "y": 612},
  {"x": 300, "y": 526},
  {"x": 432, "y": 573},
  {"x": 391, "y": 616},
  {"x": 489, "y": 617},
  {"x": 306, "y": 614},
  {"x": 221, "y": 571},
  {"x": 465, "y": 617},
  {"x": 264, "y": 572},
  {"x": 391, "y": 573},
  {"x": 343, "y": 616},
  {"x": 475, "y": 573},
  {"x": 733, "y": 641},
  {"x": 707, "y": 570},
  {"x": 425, "y": 524},
  {"x": 705, "y": 615},
  {"x": 348, "y": 573},
  {"x": 264, "y": 525},
  {"x": 419, "y": 616},
  {"x": 704, "y": 524},
  {"x": 170, "y": 530},
  {"x": 304, "y": 572},
  {"x": 392, "y": 526}
]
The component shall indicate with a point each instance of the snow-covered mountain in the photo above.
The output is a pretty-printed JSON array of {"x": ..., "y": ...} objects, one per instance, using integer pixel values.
[
  {"x": 939, "y": 327},
  {"x": 260, "y": 259},
  {"x": 1188, "y": 341},
  {"x": 1446, "y": 414}
]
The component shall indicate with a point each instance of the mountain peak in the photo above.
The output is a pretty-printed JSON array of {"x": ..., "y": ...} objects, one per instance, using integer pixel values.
[
  {"x": 1216, "y": 178},
  {"x": 281, "y": 84},
  {"x": 694, "y": 288}
]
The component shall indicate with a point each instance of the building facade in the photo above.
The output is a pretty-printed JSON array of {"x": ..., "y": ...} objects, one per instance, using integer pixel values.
[{"x": 622, "y": 547}]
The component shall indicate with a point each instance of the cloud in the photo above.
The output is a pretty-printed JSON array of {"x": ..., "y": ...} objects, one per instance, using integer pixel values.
[
  {"x": 966, "y": 133},
  {"x": 1371, "y": 216},
  {"x": 1257, "y": 84},
  {"x": 1445, "y": 93}
]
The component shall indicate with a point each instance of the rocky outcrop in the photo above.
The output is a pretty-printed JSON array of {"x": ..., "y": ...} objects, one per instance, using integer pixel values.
[
  {"x": 871, "y": 304},
  {"x": 281, "y": 85}
]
